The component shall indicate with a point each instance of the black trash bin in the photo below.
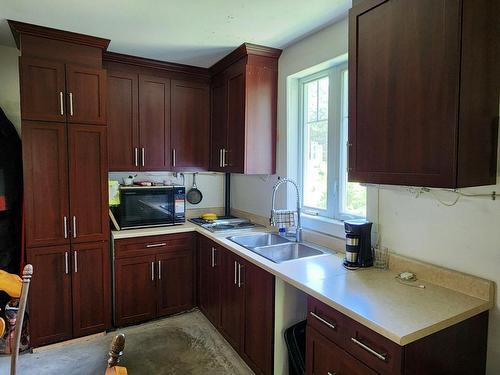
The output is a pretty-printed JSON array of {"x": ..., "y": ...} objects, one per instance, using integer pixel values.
[{"x": 295, "y": 338}]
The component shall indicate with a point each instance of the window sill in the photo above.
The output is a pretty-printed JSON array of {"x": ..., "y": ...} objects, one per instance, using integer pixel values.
[{"x": 330, "y": 227}]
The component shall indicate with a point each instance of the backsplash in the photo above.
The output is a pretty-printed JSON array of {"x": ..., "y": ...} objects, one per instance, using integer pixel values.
[{"x": 210, "y": 184}]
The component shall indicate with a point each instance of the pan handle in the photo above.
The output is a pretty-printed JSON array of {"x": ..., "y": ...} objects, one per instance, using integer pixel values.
[{"x": 194, "y": 180}]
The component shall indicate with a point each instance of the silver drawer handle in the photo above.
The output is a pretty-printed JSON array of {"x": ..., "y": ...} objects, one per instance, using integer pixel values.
[
  {"x": 143, "y": 156},
  {"x": 66, "y": 263},
  {"x": 61, "y": 101},
  {"x": 71, "y": 104},
  {"x": 173, "y": 157},
  {"x": 136, "y": 156},
  {"x": 332, "y": 326},
  {"x": 382, "y": 357},
  {"x": 65, "y": 219},
  {"x": 239, "y": 275},
  {"x": 156, "y": 244},
  {"x": 152, "y": 271},
  {"x": 213, "y": 257},
  {"x": 235, "y": 273},
  {"x": 76, "y": 261},
  {"x": 74, "y": 226}
]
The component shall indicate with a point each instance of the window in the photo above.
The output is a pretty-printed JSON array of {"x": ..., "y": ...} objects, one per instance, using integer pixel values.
[{"x": 323, "y": 121}]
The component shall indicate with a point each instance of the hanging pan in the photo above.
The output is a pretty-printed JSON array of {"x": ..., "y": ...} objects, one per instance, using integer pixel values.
[{"x": 194, "y": 196}]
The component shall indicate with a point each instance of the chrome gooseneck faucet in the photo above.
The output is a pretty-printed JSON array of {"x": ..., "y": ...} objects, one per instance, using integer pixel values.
[{"x": 279, "y": 217}]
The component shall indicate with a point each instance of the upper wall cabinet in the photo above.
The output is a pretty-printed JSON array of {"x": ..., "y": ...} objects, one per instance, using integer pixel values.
[
  {"x": 244, "y": 101},
  {"x": 158, "y": 115},
  {"x": 423, "y": 92},
  {"x": 53, "y": 91}
]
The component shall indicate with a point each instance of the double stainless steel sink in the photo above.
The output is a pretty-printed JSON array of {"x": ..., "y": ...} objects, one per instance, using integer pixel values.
[{"x": 276, "y": 248}]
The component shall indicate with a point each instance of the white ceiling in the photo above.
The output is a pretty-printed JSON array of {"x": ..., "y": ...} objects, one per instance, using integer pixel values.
[{"x": 196, "y": 32}]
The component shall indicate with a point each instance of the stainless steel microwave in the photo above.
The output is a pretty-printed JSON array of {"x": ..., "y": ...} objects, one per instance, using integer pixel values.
[{"x": 152, "y": 206}]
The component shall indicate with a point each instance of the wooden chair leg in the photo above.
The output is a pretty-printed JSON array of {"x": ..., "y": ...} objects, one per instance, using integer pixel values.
[
  {"x": 27, "y": 273},
  {"x": 116, "y": 350}
]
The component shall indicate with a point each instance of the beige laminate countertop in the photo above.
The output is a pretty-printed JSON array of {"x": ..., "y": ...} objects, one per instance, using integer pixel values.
[{"x": 371, "y": 296}]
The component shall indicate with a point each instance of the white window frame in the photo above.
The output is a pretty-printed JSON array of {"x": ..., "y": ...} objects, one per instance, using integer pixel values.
[{"x": 337, "y": 158}]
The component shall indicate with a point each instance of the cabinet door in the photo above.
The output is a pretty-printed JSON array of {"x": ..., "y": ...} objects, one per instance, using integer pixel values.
[
  {"x": 154, "y": 123},
  {"x": 325, "y": 357},
  {"x": 91, "y": 308},
  {"x": 209, "y": 285},
  {"x": 45, "y": 183},
  {"x": 233, "y": 299},
  {"x": 88, "y": 183},
  {"x": 123, "y": 121},
  {"x": 258, "y": 342},
  {"x": 190, "y": 129},
  {"x": 403, "y": 92},
  {"x": 236, "y": 123},
  {"x": 50, "y": 303},
  {"x": 135, "y": 289},
  {"x": 175, "y": 281},
  {"x": 219, "y": 125},
  {"x": 42, "y": 90},
  {"x": 86, "y": 89}
]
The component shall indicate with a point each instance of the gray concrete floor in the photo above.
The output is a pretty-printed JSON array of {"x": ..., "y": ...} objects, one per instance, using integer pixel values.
[{"x": 183, "y": 344}]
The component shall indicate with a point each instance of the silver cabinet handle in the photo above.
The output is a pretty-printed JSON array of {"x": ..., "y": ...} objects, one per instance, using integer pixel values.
[
  {"x": 75, "y": 257},
  {"x": 239, "y": 275},
  {"x": 152, "y": 271},
  {"x": 213, "y": 257},
  {"x": 156, "y": 244},
  {"x": 65, "y": 225},
  {"x": 159, "y": 270},
  {"x": 331, "y": 373},
  {"x": 220, "y": 157},
  {"x": 235, "y": 272},
  {"x": 173, "y": 157},
  {"x": 143, "y": 153},
  {"x": 66, "y": 262},
  {"x": 74, "y": 226},
  {"x": 71, "y": 104},
  {"x": 328, "y": 324},
  {"x": 382, "y": 357},
  {"x": 224, "y": 153},
  {"x": 136, "y": 156},
  {"x": 61, "y": 102}
]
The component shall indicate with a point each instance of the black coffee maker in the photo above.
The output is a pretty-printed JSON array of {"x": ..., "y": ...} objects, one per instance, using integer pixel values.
[{"x": 358, "y": 246}]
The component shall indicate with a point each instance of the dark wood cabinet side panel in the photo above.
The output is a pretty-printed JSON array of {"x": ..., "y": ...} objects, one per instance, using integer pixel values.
[
  {"x": 43, "y": 89},
  {"x": 465, "y": 344},
  {"x": 190, "y": 130},
  {"x": 123, "y": 121},
  {"x": 154, "y": 123},
  {"x": 91, "y": 283},
  {"x": 45, "y": 183},
  {"x": 88, "y": 183},
  {"x": 86, "y": 95},
  {"x": 135, "y": 290},
  {"x": 258, "y": 342},
  {"x": 50, "y": 304},
  {"x": 261, "y": 112},
  {"x": 403, "y": 98}
]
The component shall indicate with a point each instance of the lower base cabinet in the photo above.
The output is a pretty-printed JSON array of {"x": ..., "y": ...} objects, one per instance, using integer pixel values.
[
  {"x": 336, "y": 344},
  {"x": 238, "y": 298},
  {"x": 154, "y": 277},
  {"x": 70, "y": 291}
]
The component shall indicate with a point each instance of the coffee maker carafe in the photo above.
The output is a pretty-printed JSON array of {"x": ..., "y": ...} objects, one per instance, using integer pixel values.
[{"x": 358, "y": 247}]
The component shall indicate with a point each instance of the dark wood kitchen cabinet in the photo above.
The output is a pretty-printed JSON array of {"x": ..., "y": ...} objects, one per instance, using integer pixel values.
[
  {"x": 209, "y": 269},
  {"x": 70, "y": 294},
  {"x": 336, "y": 343},
  {"x": 154, "y": 276},
  {"x": 154, "y": 123},
  {"x": 54, "y": 91},
  {"x": 63, "y": 110},
  {"x": 424, "y": 84},
  {"x": 50, "y": 301},
  {"x": 123, "y": 121},
  {"x": 244, "y": 105},
  {"x": 190, "y": 125},
  {"x": 238, "y": 298}
]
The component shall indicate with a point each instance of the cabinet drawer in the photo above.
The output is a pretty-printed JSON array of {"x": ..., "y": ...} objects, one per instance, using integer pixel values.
[
  {"x": 329, "y": 322},
  {"x": 376, "y": 351},
  {"x": 326, "y": 358},
  {"x": 153, "y": 244}
]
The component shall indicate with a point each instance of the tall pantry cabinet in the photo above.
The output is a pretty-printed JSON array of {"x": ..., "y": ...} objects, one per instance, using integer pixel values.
[{"x": 64, "y": 133}]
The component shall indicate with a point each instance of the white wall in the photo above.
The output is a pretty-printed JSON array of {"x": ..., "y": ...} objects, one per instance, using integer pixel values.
[
  {"x": 9, "y": 85},
  {"x": 465, "y": 237}
]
